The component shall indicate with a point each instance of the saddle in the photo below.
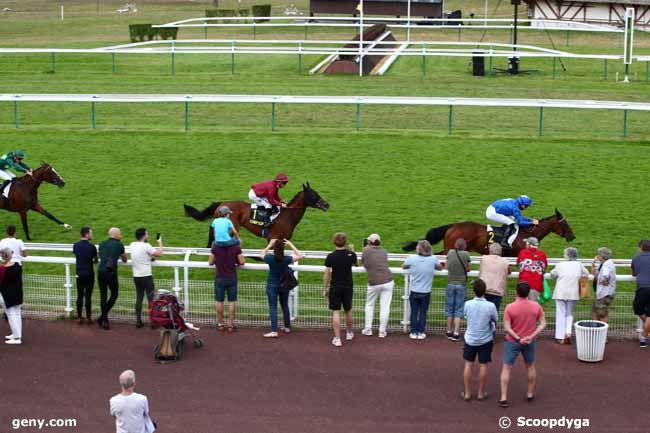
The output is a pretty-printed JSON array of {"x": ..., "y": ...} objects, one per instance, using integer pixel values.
[
  {"x": 499, "y": 235},
  {"x": 259, "y": 216}
]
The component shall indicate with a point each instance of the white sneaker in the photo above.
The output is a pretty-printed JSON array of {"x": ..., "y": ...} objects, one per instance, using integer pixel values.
[
  {"x": 9, "y": 337},
  {"x": 349, "y": 335},
  {"x": 367, "y": 331},
  {"x": 271, "y": 334},
  {"x": 382, "y": 334},
  {"x": 413, "y": 336},
  {"x": 14, "y": 341},
  {"x": 422, "y": 336},
  {"x": 337, "y": 342}
]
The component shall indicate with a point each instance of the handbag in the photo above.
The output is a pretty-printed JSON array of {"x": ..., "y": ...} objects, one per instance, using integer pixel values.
[
  {"x": 585, "y": 290},
  {"x": 288, "y": 281}
]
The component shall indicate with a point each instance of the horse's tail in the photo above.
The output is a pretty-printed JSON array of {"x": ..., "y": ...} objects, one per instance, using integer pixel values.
[
  {"x": 201, "y": 215},
  {"x": 434, "y": 236}
]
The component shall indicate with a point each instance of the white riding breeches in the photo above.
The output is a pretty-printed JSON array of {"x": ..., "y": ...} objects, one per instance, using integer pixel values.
[
  {"x": 6, "y": 175},
  {"x": 492, "y": 214},
  {"x": 259, "y": 201}
]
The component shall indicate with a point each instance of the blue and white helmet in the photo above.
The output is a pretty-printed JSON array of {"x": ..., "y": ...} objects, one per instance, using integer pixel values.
[{"x": 524, "y": 200}]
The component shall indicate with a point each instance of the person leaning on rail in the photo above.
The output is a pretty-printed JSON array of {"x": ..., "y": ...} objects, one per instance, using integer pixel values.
[
  {"x": 604, "y": 272},
  {"x": 11, "y": 295},
  {"x": 142, "y": 254},
  {"x": 641, "y": 304},
  {"x": 380, "y": 285},
  {"x": 110, "y": 251},
  {"x": 494, "y": 271}
]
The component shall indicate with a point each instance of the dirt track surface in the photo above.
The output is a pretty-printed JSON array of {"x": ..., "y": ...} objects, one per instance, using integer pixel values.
[{"x": 243, "y": 383}]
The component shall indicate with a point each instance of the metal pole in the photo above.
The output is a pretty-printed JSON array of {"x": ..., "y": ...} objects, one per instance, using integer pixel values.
[
  {"x": 295, "y": 294},
  {"x": 114, "y": 66},
  {"x": 300, "y": 58},
  {"x": 272, "y": 116},
  {"x": 16, "y": 115},
  {"x": 408, "y": 21},
  {"x": 459, "y": 28},
  {"x": 68, "y": 291},
  {"x": 451, "y": 113},
  {"x": 567, "y": 37},
  {"x": 624, "y": 123},
  {"x": 485, "y": 13},
  {"x": 187, "y": 115},
  {"x": 205, "y": 30},
  {"x": 53, "y": 62},
  {"x": 605, "y": 71},
  {"x": 93, "y": 115},
  {"x": 424, "y": 60},
  {"x": 306, "y": 27},
  {"x": 647, "y": 72},
  {"x": 541, "y": 121},
  {"x": 554, "y": 66},
  {"x": 232, "y": 58},
  {"x": 186, "y": 283},
  {"x": 406, "y": 305},
  {"x": 358, "y": 117},
  {"x": 491, "y": 70},
  {"x": 254, "y": 30},
  {"x": 361, "y": 39},
  {"x": 177, "y": 284}
]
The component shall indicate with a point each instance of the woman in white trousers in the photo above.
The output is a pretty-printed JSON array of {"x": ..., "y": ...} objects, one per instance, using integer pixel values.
[
  {"x": 380, "y": 285},
  {"x": 567, "y": 293}
]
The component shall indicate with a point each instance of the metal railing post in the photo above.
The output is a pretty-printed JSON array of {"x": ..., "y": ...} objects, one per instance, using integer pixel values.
[
  {"x": 554, "y": 67},
  {"x": 93, "y": 115},
  {"x": 173, "y": 60},
  {"x": 187, "y": 115},
  {"x": 113, "y": 66},
  {"x": 624, "y": 123},
  {"x": 541, "y": 121},
  {"x": 68, "y": 291},
  {"x": 294, "y": 294},
  {"x": 53, "y": 62},
  {"x": 177, "y": 283},
  {"x": 605, "y": 70},
  {"x": 406, "y": 305},
  {"x": 16, "y": 114},
  {"x": 424, "y": 61},
  {"x": 272, "y": 116},
  {"x": 186, "y": 283},
  {"x": 232, "y": 58},
  {"x": 299, "y": 58},
  {"x": 450, "y": 124},
  {"x": 358, "y": 117}
]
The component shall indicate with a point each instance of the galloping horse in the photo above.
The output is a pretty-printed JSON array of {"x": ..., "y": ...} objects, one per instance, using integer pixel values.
[
  {"x": 23, "y": 195},
  {"x": 284, "y": 224},
  {"x": 476, "y": 235}
]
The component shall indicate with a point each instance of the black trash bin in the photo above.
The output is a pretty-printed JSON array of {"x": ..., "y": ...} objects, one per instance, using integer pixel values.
[{"x": 478, "y": 64}]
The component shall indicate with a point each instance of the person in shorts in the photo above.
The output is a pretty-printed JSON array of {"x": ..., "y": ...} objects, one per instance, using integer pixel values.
[
  {"x": 226, "y": 259},
  {"x": 641, "y": 304},
  {"x": 338, "y": 285},
  {"x": 481, "y": 316},
  {"x": 523, "y": 321},
  {"x": 604, "y": 272},
  {"x": 458, "y": 265}
]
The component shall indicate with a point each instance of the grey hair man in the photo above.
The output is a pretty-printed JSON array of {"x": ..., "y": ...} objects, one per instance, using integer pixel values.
[
  {"x": 604, "y": 272},
  {"x": 130, "y": 409},
  {"x": 110, "y": 251}
]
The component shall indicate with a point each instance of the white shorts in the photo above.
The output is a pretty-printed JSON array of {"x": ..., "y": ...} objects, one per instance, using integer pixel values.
[
  {"x": 259, "y": 201},
  {"x": 491, "y": 214}
]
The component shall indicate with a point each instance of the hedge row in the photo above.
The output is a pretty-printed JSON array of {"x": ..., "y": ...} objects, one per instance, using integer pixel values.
[
  {"x": 257, "y": 11},
  {"x": 139, "y": 32}
]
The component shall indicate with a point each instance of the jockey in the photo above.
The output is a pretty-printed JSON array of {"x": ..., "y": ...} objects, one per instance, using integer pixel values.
[
  {"x": 265, "y": 194},
  {"x": 508, "y": 212},
  {"x": 12, "y": 160}
]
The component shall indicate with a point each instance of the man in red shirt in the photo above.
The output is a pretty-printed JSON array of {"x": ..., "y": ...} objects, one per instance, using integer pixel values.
[
  {"x": 523, "y": 321},
  {"x": 266, "y": 195},
  {"x": 532, "y": 263}
]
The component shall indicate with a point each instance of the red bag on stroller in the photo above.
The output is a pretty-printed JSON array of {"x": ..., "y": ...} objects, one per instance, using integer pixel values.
[{"x": 166, "y": 313}]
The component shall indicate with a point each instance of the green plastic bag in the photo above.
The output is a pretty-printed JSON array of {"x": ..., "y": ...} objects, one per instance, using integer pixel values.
[{"x": 546, "y": 295}]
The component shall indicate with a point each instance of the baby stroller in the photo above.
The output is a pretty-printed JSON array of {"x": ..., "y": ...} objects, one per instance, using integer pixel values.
[{"x": 166, "y": 313}]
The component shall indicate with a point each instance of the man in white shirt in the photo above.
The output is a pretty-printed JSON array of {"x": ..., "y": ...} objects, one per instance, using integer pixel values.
[
  {"x": 142, "y": 254},
  {"x": 130, "y": 409},
  {"x": 15, "y": 245}
]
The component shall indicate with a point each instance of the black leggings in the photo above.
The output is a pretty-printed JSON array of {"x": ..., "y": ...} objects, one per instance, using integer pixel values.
[
  {"x": 107, "y": 281},
  {"x": 85, "y": 284}
]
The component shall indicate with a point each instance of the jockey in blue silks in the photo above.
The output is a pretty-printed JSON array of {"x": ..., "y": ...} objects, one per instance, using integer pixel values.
[{"x": 508, "y": 212}]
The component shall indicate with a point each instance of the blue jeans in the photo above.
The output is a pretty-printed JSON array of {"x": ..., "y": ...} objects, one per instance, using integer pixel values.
[
  {"x": 419, "y": 307},
  {"x": 273, "y": 295},
  {"x": 454, "y": 300},
  {"x": 495, "y": 299},
  {"x": 231, "y": 242}
]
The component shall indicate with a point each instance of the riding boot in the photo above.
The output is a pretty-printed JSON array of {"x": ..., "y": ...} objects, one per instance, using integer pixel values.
[{"x": 507, "y": 232}]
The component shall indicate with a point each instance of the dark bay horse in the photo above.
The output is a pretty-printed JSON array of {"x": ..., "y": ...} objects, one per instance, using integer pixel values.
[
  {"x": 23, "y": 195},
  {"x": 476, "y": 235},
  {"x": 284, "y": 224}
]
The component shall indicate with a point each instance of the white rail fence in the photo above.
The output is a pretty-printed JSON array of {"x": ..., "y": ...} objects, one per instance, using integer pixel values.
[{"x": 50, "y": 296}]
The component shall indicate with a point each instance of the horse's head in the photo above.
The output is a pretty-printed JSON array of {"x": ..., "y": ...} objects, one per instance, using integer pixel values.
[
  {"x": 47, "y": 173},
  {"x": 562, "y": 228},
  {"x": 313, "y": 199}
]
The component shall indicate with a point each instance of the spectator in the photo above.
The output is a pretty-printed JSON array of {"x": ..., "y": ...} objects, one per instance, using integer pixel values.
[
  {"x": 604, "y": 272},
  {"x": 226, "y": 259},
  {"x": 110, "y": 251},
  {"x": 641, "y": 270},
  {"x": 130, "y": 409},
  {"x": 16, "y": 245},
  {"x": 422, "y": 267},
  {"x": 380, "y": 284},
  {"x": 224, "y": 231},
  {"x": 567, "y": 293},
  {"x": 278, "y": 265},
  {"x": 523, "y": 320},
  {"x": 86, "y": 256},
  {"x": 494, "y": 271},
  {"x": 479, "y": 339},
  {"x": 142, "y": 254},
  {"x": 11, "y": 295},
  {"x": 338, "y": 285},
  {"x": 458, "y": 265},
  {"x": 532, "y": 263}
]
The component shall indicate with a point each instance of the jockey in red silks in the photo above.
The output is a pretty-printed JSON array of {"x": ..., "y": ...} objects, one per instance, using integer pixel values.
[{"x": 266, "y": 195}]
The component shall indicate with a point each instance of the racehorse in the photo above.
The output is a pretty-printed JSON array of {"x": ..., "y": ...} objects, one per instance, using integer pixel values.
[
  {"x": 23, "y": 195},
  {"x": 284, "y": 224},
  {"x": 476, "y": 235}
]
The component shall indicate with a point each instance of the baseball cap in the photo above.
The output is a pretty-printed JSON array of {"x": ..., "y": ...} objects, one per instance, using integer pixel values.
[
  {"x": 532, "y": 240},
  {"x": 374, "y": 238},
  {"x": 225, "y": 210}
]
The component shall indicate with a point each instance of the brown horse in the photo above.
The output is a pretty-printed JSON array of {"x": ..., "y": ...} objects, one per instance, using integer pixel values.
[
  {"x": 284, "y": 224},
  {"x": 23, "y": 195},
  {"x": 476, "y": 235}
]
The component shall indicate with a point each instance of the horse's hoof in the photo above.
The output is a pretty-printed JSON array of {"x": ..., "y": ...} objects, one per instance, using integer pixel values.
[{"x": 67, "y": 226}]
